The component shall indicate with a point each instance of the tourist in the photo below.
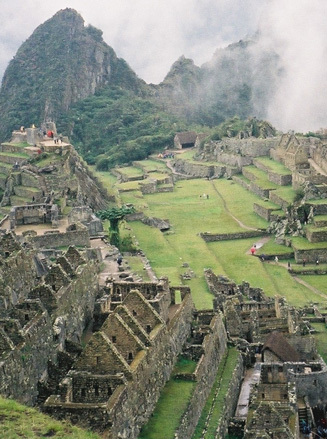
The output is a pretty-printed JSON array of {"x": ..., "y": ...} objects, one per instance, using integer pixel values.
[
  {"x": 276, "y": 259},
  {"x": 317, "y": 262},
  {"x": 253, "y": 250},
  {"x": 119, "y": 260},
  {"x": 288, "y": 265},
  {"x": 303, "y": 262}
]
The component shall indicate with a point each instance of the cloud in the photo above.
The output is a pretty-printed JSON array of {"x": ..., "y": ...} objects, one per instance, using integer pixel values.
[
  {"x": 296, "y": 29},
  {"x": 149, "y": 34}
]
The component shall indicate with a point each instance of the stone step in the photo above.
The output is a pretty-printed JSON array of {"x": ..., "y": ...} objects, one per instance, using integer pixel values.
[
  {"x": 18, "y": 201},
  {"x": 3, "y": 178},
  {"x": 12, "y": 158},
  {"x": 28, "y": 192},
  {"x": 5, "y": 168},
  {"x": 13, "y": 147}
]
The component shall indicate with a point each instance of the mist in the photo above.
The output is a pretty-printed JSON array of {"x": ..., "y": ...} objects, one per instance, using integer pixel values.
[{"x": 296, "y": 30}]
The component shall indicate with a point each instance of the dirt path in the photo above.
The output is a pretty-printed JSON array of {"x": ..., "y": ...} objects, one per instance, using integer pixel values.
[
  {"x": 228, "y": 211},
  {"x": 310, "y": 287}
]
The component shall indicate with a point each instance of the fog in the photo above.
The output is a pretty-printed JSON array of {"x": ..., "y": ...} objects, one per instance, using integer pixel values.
[{"x": 150, "y": 35}]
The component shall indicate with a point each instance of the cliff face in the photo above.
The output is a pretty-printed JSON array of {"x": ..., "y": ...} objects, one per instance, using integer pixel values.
[{"x": 62, "y": 62}]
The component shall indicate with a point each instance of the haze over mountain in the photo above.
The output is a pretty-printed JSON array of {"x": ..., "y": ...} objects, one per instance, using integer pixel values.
[{"x": 65, "y": 62}]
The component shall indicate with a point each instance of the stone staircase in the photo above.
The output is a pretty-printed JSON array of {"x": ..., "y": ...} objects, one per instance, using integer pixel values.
[{"x": 19, "y": 184}]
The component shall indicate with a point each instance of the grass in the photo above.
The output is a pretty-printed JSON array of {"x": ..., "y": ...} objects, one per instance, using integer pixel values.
[
  {"x": 128, "y": 185},
  {"x": 184, "y": 365},
  {"x": 319, "y": 281},
  {"x": 18, "y": 421},
  {"x": 274, "y": 166},
  {"x": 273, "y": 279},
  {"x": 270, "y": 248},
  {"x": 286, "y": 193},
  {"x": 136, "y": 264},
  {"x": 300, "y": 243},
  {"x": 152, "y": 165},
  {"x": 232, "y": 194},
  {"x": 14, "y": 154},
  {"x": 169, "y": 409},
  {"x": 320, "y": 201},
  {"x": 51, "y": 158},
  {"x": 320, "y": 338},
  {"x": 219, "y": 388},
  {"x": 130, "y": 171}
]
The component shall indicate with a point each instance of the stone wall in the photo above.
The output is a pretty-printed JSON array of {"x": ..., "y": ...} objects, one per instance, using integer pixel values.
[
  {"x": 311, "y": 385},
  {"x": 275, "y": 198},
  {"x": 263, "y": 211},
  {"x": 80, "y": 238},
  {"x": 203, "y": 170},
  {"x": 281, "y": 180},
  {"x": 130, "y": 405},
  {"x": 316, "y": 235},
  {"x": 231, "y": 399},
  {"x": 311, "y": 256},
  {"x": 214, "y": 345},
  {"x": 213, "y": 237},
  {"x": 23, "y": 367}
]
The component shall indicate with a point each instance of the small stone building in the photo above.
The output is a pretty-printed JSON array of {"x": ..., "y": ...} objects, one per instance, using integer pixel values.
[{"x": 186, "y": 139}]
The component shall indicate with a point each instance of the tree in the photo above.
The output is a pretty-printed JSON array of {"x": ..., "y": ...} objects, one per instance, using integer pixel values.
[{"x": 114, "y": 215}]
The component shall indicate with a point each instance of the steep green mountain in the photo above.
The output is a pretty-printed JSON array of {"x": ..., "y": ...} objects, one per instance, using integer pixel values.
[
  {"x": 65, "y": 72},
  {"x": 62, "y": 62},
  {"x": 116, "y": 126}
]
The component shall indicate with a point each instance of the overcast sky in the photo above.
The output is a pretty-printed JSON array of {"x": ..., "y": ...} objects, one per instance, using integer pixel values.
[{"x": 149, "y": 34}]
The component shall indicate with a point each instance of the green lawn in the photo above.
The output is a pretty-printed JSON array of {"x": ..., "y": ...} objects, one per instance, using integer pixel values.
[
  {"x": 300, "y": 243},
  {"x": 152, "y": 165},
  {"x": 320, "y": 338},
  {"x": 274, "y": 166},
  {"x": 130, "y": 171},
  {"x": 18, "y": 421},
  {"x": 319, "y": 282},
  {"x": 232, "y": 193},
  {"x": 270, "y": 248},
  {"x": 169, "y": 409},
  {"x": 137, "y": 267},
  {"x": 286, "y": 193},
  {"x": 219, "y": 388}
]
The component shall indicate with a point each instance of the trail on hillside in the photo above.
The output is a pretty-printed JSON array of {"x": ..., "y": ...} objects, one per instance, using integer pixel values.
[{"x": 229, "y": 212}]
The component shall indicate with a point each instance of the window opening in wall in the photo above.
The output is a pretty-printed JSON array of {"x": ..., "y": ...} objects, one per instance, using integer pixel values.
[
  {"x": 83, "y": 393},
  {"x": 109, "y": 391},
  {"x": 114, "y": 339},
  {"x": 178, "y": 297},
  {"x": 134, "y": 312},
  {"x": 97, "y": 359},
  {"x": 26, "y": 317},
  {"x": 96, "y": 390},
  {"x": 148, "y": 329},
  {"x": 130, "y": 356},
  {"x": 263, "y": 396}
]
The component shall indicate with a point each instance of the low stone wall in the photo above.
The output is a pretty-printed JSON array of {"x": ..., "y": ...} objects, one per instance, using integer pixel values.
[
  {"x": 316, "y": 235},
  {"x": 203, "y": 169},
  {"x": 319, "y": 209},
  {"x": 231, "y": 399},
  {"x": 79, "y": 238},
  {"x": 241, "y": 182},
  {"x": 264, "y": 212},
  {"x": 248, "y": 174},
  {"x": 281, "y": 180},
  {"x": 215, "y": 345},
  {"x": 208, "y": 237},
  {"x": 256, "y": 189},
  {"x": 278, "y": 200},
  {"x": 311, "y": 255}
]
